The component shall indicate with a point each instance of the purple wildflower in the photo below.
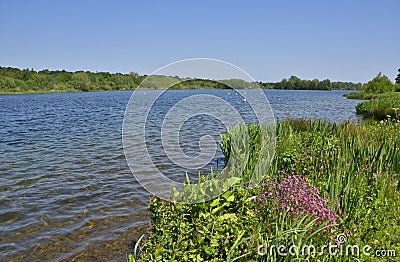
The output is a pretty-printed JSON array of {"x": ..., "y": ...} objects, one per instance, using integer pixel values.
[{"x": 299, "y": 198}]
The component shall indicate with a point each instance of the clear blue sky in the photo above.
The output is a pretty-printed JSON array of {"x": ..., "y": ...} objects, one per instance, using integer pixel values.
[{"x": 340, "y": 40}]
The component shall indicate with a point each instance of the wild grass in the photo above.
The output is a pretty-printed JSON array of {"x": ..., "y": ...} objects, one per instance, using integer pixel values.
[
  {"x": 324, "y": 180},
  {"x": 386, "y": 105},
  {"x": 361, "y": 95}
]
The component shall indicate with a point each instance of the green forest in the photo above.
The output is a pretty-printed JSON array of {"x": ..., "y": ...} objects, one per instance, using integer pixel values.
[
  {"x": 15, "y": 80},
  {"x": 296, "y": 83}
]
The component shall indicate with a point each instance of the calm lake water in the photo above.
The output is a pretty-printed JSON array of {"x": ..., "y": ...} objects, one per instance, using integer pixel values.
[{"x": 66, "y": 189}]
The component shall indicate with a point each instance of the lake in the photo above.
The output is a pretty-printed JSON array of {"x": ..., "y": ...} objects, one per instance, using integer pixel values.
[{"x": 66, "y": 189}]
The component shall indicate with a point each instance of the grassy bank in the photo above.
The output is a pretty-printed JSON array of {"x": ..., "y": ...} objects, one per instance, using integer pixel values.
[
  {"x": 360, "y": 95},
  {"x": 325, "y": 181},
  {"x": 386, "y": 105},
  {"x": 384, "y": 99}
]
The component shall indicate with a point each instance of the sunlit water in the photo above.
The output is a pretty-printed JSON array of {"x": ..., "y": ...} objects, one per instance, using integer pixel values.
[{"x": 66, "y": 189}]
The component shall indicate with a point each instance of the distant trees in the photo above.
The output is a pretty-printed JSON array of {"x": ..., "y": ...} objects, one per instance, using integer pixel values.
[
  {"x": 380, "y": 84},
  {"x": 26, "y": 80},
  {"x": 300, "y": 84},
  {"x": 237, "y": 84},
  {"x": 81, "y": 81},
  {"x": 134, "y": 74},
  {"x": 398, "y": 77}
]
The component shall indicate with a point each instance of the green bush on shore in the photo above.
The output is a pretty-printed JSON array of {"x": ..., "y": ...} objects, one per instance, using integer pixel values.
[
  {"x": 351, "y": 173},
  {"x": 380, "y": 84}
]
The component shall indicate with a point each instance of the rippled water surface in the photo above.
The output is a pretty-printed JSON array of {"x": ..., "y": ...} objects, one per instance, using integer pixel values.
[{"x": 66, "y": 189}]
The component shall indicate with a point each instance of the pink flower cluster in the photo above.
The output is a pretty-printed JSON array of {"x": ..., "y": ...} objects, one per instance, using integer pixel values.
[{"x": 298, "y": 198}]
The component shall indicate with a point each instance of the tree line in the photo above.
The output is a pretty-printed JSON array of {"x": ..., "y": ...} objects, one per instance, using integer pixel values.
[
  {"x": 296, "y": 83},
  {"x": 15, "y": 80},
  {"x": 29, "y": 80}
]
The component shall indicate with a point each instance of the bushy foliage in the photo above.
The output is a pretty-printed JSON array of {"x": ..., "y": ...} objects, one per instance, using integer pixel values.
[
  {"x": 345, "y": 179},
  {"x": 380, "y": 84}
]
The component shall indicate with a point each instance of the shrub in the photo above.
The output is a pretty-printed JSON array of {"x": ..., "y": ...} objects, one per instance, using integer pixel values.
[{"x": 380, "y": 84}]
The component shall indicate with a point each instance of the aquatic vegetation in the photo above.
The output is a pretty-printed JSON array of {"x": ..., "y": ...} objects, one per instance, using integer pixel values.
[
  {"x": 361, "y": 95},
  {"x": 327, "y": 184},
  {"x": 384, "y": 106}
]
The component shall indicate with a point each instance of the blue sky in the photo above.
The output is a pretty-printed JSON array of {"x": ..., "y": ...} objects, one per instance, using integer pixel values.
[{"x": 271, "y": 40}]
